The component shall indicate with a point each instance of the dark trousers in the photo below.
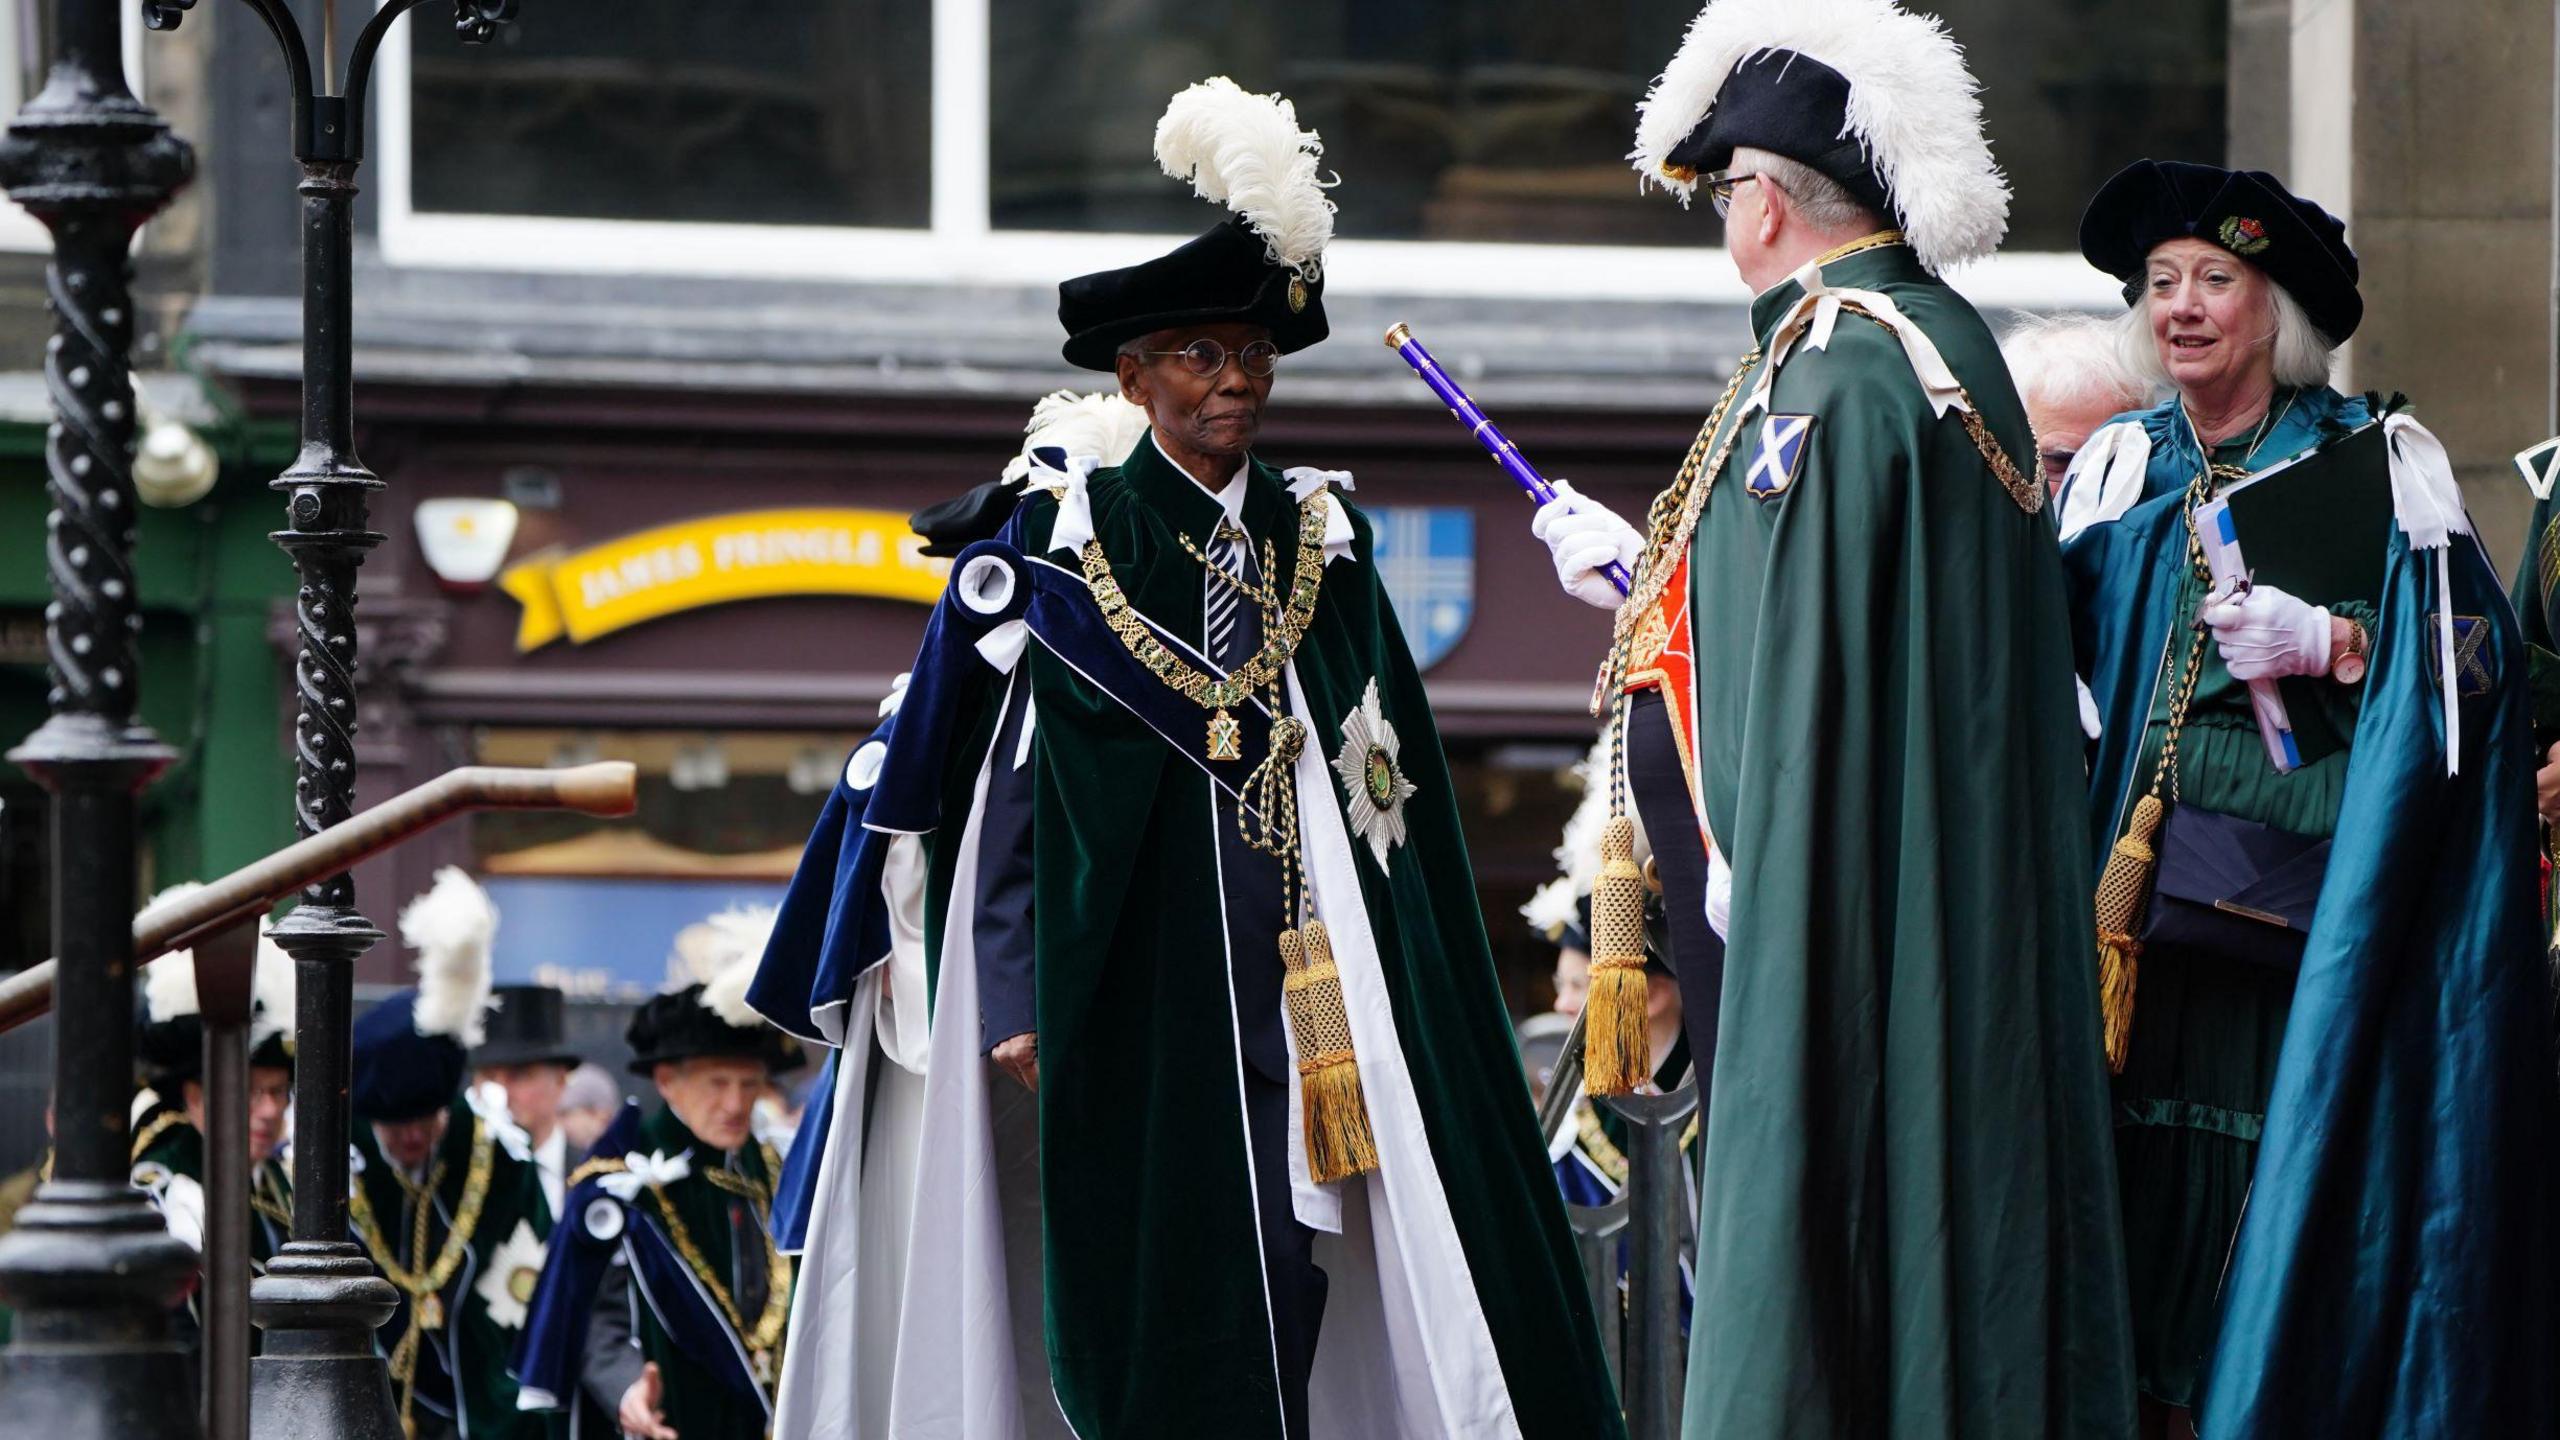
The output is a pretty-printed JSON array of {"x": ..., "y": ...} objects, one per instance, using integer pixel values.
[
  {"x": 1660, "y": 788},
  {"x": 1296, "y": 1287}
]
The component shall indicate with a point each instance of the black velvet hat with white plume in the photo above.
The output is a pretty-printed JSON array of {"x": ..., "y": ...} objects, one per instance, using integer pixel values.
[{"x": 1264, "y": 266}]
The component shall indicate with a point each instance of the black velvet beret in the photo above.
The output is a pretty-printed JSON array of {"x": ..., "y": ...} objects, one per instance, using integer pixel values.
[
  {"x": 1226, "y": 275},
  {"x": 1787, "y": 104},
  {"x": 2247, "y": 212}
]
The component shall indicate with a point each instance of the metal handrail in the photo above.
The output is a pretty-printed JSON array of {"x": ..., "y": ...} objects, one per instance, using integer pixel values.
[{"x": 608, "y": 787}]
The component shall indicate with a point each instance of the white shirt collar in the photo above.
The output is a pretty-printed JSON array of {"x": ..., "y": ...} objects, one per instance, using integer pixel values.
[{"x": 1230, "y": 499}]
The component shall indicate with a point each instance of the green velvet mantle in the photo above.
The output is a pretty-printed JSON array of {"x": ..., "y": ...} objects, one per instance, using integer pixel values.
[
  {"x": 483, "y": 1349},
  {"x": 1155, "y": 1313},
  {"x": 1909, "y": 1222}
]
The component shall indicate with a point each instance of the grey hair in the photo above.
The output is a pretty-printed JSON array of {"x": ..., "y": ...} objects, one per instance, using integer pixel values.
[
  {"x": 1135, "y": 346},
  {"x": 1823, "y": 202},
  {"x": 2071, "y": 356},
  {"x": 2303, "y": 356}
]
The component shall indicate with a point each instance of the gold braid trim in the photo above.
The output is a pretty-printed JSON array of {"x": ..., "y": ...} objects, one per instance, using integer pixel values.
[
  {"x": 424, "y": 1289},
  {"x": 1596, "y": 1143},
  {"x": 269, "y": 1197},
  {"x": 764, "y": 1341},
  {"x": 149, "y": 1135}
]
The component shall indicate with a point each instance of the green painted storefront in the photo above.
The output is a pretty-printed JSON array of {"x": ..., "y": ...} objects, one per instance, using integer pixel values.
[{"x": 214, "y": 684}]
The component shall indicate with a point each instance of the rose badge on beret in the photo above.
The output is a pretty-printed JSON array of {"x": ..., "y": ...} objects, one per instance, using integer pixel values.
[{"x": 2244, "y": 236}]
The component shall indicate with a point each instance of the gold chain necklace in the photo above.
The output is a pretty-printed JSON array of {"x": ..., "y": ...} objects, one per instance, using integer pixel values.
[
  {"x": 425, "y": 1287},
  {"x": 765, "y": 1340},
  {"x": 1279, "y": 642},
  {"x": 161, "y": 1124},
  {"x": 425, "y": 1290}
]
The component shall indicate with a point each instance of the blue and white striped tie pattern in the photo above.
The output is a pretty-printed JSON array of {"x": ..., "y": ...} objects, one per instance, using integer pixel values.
[{"x": 1223, "y": 600}]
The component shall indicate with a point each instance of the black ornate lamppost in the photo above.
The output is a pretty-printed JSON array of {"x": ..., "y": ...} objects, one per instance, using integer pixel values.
[
  {"x": 91, "y": 1268},
  {"x": 320, "y": 1300}
]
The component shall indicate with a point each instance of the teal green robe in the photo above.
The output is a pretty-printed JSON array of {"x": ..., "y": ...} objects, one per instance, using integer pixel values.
[
  {"x": 478, "y": 1344},
  {"x": 1909, "y": 1223},
  {"x": 1156, "y": 1319}
]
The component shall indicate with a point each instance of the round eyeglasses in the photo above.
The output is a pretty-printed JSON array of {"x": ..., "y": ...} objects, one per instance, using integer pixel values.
[{"x": 1205, "y": 357}]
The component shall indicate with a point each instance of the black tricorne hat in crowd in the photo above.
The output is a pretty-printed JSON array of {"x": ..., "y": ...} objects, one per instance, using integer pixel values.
[
  {"x": 528, "y": 1027},
  {"x": 1265, "y": 266},
  {"x": 2250, "y": 213}
]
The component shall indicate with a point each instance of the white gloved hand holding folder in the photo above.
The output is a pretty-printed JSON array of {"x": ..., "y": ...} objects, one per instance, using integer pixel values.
[{"x": 2266, "y": 634}]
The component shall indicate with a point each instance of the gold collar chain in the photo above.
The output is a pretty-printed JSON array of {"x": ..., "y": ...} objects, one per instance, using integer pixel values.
[
  {"x": 424, "y": 1286},
  {"x": 1193, "y": 684},
  {"x": 764, "y": 1341}
]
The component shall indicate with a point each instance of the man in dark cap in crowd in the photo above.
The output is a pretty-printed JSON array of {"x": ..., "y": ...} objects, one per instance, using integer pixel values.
[
  {"x": 526, "y": 1056},
  {"x": 666, "y": 1300},
  {"x": 1908, "y": 1224},
  {"x": 453, "y": 1221}
]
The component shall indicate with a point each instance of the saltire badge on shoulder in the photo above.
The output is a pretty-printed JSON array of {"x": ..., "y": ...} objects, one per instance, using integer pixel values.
[{"x": 1778, "y": 456}]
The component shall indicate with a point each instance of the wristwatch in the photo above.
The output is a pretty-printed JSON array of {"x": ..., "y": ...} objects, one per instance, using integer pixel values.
[{"x": 2348, "y": 667}]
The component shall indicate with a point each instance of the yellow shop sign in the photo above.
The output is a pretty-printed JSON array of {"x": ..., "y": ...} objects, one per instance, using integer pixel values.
[{"x": 714, "y": 560}]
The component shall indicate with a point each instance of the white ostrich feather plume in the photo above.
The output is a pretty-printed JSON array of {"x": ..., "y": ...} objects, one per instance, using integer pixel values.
[
  {"x": 169, "y": 985},
  {"x": 1552, "y": 906},
  {"x": 1101, "y": 425},
  {"x": 1912, "y": 105},
  {"x": 739, "y": 935},
  {"x": 451, "y": 927},
  {"x": 1246, "y": 152},
  {"x": 271, "y": 989}
]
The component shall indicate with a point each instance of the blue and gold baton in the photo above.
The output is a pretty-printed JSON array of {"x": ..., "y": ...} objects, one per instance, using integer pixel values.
[{"x": 1495, "y": 443}]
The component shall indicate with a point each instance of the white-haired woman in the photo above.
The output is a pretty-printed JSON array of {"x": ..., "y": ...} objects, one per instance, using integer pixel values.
[
  {"x": 2320, "y": 979},
  {"x": 2072, "y": 376}
]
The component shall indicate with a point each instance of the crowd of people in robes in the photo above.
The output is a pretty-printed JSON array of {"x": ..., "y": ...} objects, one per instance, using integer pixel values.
[{"x": 2068, "y": 806}]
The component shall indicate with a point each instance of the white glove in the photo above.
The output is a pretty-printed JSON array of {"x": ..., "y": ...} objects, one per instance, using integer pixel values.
[
  {"x": 1584, "y": 536},
  {"x": 2267, "y": 635}
]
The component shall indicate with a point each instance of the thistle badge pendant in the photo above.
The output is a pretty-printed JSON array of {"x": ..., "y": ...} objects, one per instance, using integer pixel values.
[{"x": 1226, "y": 737}]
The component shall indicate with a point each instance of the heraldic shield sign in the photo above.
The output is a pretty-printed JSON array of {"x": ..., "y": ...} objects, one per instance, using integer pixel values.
[{"x": 1427, "y": 560}]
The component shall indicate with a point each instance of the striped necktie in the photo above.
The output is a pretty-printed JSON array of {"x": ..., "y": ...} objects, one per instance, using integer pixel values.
[{"x": 1225, "y": 603}]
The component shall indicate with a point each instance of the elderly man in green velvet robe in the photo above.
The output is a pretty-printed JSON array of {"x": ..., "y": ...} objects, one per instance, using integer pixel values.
[
  {"x": 1196, "y": 878},
  {"x": 1908, "y": 1226}
]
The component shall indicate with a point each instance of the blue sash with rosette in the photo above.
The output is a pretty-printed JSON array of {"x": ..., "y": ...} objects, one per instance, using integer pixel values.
[{"x": 595, "y": 1227}]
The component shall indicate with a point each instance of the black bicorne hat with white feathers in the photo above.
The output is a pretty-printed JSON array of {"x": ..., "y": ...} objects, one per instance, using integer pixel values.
[
  {"x": 169, "y": 1039},
  {"x": 1264, "y": 266},
  {"x": 1863, "y": 91},
  {"x": 711, "y": 1016}
]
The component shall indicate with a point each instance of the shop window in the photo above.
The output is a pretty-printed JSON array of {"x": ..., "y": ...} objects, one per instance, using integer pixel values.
[
  {"x": 597, "y": 907},
  {"x": 811, "y": 112},
  {"x": 1506, "y": 120}
]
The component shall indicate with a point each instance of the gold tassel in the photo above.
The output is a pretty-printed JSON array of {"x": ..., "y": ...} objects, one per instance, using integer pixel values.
[
  {"x": 1339, "y": 1142},
  {"x": 1617, "y": 1034},
  {"x": 2122, "y": 887}
]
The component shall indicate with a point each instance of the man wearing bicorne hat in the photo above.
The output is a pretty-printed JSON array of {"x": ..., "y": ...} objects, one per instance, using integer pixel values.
[
  {"x": 169, "y": 1134},
  {"x": 666, "y": 1300},
  {"x": 1197, "y": 889},
  {"x": 1909, "y": 1218},
  {"x": 451, "y": 1217}
]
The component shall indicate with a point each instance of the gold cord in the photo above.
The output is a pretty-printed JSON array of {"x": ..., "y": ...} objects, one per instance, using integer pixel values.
[
  {"x": 424, "y": 1289},
  {"x": 764, "y": 1341}
]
